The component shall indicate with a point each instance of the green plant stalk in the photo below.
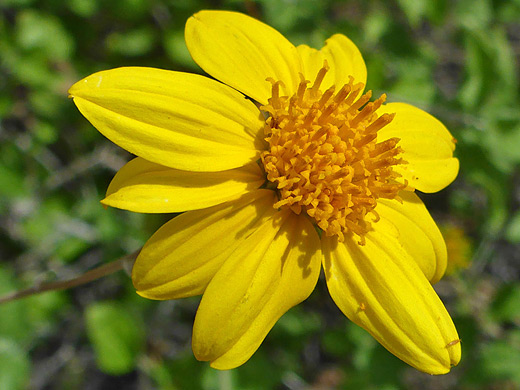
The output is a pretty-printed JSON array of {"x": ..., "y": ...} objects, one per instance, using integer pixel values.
[{"x": 87, "y": 277}]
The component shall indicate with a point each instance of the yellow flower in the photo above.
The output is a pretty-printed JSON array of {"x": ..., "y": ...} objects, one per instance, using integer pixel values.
[{"x": 312, "y": 174}]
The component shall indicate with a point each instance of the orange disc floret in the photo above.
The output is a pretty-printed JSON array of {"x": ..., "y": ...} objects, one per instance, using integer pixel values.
[{"x": 324, "y": 157}]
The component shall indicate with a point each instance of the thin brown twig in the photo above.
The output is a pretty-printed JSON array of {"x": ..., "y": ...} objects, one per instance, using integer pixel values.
[{"x": 89, "y": 276}]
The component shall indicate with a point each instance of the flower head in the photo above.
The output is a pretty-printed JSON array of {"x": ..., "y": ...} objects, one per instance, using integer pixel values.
[{"x": 313, "y": 174}]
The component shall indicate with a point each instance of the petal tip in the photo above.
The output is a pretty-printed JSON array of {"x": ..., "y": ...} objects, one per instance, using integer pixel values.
[
  {"x": 105, "y": 203},
  {"x": 143, "y": 290},
  {"x": 455, "y": 351},
  {"x": 142, "y": 294},
  {"x": 451, "y": 359},
  {"x": 76, "y": 88},
  {"x": 72, "y": 90}
]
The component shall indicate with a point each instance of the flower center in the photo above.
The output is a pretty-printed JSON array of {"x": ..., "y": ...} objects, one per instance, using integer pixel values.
[{"x": 324, "y": 158}]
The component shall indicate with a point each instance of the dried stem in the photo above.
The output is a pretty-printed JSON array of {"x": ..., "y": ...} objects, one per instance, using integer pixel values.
[{"x": 89, "y": 276}]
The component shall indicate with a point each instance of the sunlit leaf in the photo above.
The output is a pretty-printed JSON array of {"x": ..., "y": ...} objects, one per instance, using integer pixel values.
[
  {"x": 176, "y": 49},
  {"x": 414, "y": 10},
  {"x": 473, "y": 14},
  {"x": 14, "y": 366},
  {"x": 513, "y": 229},
  {"x": 506, "y": 305},
  {"x": 116, "y": 336},
  {"x": 44, "y": 33},
  {"x": 84, "y": 8},
  {"x": 14, "y": 323},
  {"x": 501, "y": 359},
  {"x": 132, "y": 43}
]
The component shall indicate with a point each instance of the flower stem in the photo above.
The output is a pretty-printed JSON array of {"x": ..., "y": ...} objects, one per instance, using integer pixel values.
[
  {"x": 225, "y": 382},
  {"x": 89, "y": 276}
]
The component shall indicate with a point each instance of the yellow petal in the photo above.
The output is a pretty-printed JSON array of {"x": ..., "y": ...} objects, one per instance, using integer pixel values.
[
  {"x": 413, "y": 227},
  {"x": 427, "y": 147},
  {"x": 146, "y": 187},
  {"x": 175, "y": 119},
  {"x": 180, "y": 259},
  {"x": 271, "y": 271},
  {"x": 380, "y": 288},
  {"x": 343, "y": 58},
  {"x": 242, "y": 52}
]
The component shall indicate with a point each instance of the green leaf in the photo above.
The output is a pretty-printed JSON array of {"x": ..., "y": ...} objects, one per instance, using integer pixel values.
[
  {"x": 13, "y": 315},
  {"x": 6, "y": 104},
  {"x": 335, "y": 342},
  {"x": 296, "y": 323},
  {"x": 16, "y": 3},
  {"x": 376, "y": 24},
  {"x": 84, "y": 8},
  {"x": 33, "y": 69},
  {"x": 161, "y": 374},
  {"x": 216, "y": 379},
  {"x": 473, "y": 14},
  {"x": 513, "y": 229},
  {"x": 12, "y": 183},
  {"x": 471, "y": 91},
  {"x": 287, "y": 15},
  {"x": 436, "y": 11},
  {"x": 14, "y": 366},
  {"x": 481, "y": 171},
  {"x": 509, "y": 11},
  {"x": 414, "y": 10},
  {"x": 364, "y": 345},
  {"x": 45, "y": 132},
  {"x": 251, "y": 376},
  {"x": 116, "y": 336},
  {"x": 501, "y": 359},
  {"x": 132, "y": 10},
  {"x": 414, "y": 84},
  {"x": 385, "y": 369},
  {"x": 44, "y": 33},
  {"x": 55, "y": 212},
  {"x": 43, "y": 310},
  {"x": 132, "y": 43},
  {"x": 491, "y": 76},
  {"x": 185, "y": 372},
  {"x": 46, "y": 103},
  {"x": 506, "y": 305},
  {"x": 502, "y": 143},
  {"x": 176, "y": 50}
]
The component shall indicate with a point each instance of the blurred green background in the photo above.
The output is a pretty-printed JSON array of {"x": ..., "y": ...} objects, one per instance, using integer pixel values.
[{"x": 457, "y": 59}]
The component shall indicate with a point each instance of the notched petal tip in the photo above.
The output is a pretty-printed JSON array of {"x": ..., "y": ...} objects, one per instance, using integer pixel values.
[
  {"x": 401, "y": 309},
  {"x": 453, "y": 357},
  {"x": 445, "y": 366},
  {"x": 454, "y": 348},
  {"x": 273, "y": 270}
]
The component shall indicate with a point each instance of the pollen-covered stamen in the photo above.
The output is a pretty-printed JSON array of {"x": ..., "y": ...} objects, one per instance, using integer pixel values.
[{"x": 324, "y": 156}]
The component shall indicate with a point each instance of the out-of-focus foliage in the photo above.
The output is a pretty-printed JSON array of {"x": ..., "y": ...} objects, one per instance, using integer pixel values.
[
  {"x": 116, "y": 336},
  {"x": 457, "y": 59}
]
